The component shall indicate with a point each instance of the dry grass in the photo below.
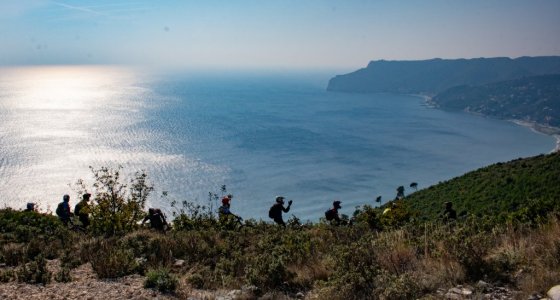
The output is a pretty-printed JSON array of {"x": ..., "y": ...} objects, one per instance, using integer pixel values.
[{"x": 541, "y": 251}]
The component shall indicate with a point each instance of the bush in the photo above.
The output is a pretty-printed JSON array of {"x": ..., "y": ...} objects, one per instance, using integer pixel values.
[
  {"x": 110, "y": 261},
  {"x": 7, "y": 275},
  {"x": 196, "y": 281},
  {"x": 35, "y": 272},
  {"x": 24, "y": 226},
  {"x": 161, "y": 280},
  {"x": 268, "y": 272},
  {"x": 117, "y": 207},
  {"x": 13, "y": 254},
  {"x": 63, "y": 275}
]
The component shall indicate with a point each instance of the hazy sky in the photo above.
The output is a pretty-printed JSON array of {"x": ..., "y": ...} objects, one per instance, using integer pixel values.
[{"x": 272, "y": 33}]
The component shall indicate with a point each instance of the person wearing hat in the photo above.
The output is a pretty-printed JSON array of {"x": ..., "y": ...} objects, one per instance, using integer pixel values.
[
  {"x": 225, "y": 214},
  {"x": 332, "y": 214},
  {"x": 82, "y": 210},
  {"x": 276, "y": 210}
]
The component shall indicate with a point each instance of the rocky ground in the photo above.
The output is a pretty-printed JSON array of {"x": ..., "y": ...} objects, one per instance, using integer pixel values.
[{"x": 86, "y": 285}]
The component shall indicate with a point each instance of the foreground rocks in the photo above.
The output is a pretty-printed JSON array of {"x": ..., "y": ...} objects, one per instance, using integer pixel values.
[
  {"x": 84, "y": 285},
  {"x": 554, "y": 293}
]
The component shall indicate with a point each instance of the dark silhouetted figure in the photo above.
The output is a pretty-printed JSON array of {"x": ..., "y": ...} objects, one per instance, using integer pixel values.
[
  {"x": 156, "y": 218},
  {"x": 30, "y": 206},
  {"x": 332, "y": 214},
  {"x": 225, "y": 214},
  {"x": 82, "y": 210},
  {"x": 276, "y": 210},
  {"x": 63, "y": 211},
  {"x": 449, "y": 214}
]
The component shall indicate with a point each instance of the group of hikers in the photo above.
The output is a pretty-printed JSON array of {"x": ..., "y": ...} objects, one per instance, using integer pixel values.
[
  {"x": 155, "y": 216},
  {"x": 158, "y": 221}
]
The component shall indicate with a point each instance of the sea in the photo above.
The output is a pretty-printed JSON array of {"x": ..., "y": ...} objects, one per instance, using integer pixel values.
[{"x": 260, "y": 133}]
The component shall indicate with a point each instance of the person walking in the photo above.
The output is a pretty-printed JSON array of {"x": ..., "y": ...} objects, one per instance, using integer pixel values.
[
  {"x": 449, "y": 214},
  {"x": 276, "y": 210},
  {"x": 82, "y": 210},
  {"x": 63, "y": 211},
  {"x": 156, "y": 218},
  {"x": 226, "y": 217},
  {"x": 332, "y": 214}
]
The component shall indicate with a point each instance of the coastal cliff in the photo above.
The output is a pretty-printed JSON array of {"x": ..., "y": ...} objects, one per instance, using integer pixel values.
[
  {"x": 436, "y": 75},
  {"x": 525, "y": 89}
]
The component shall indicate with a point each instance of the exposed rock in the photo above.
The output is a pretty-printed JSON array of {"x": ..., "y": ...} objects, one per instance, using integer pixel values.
[
  {"x": 251, "y": 291},
  {"x": 453, "y": 296},
  {"x": 554, "y": 293},
  {"x": 179, "y": 263},
  {"x": 483, "y": 285},
  {"x": 535, "y": 296}
]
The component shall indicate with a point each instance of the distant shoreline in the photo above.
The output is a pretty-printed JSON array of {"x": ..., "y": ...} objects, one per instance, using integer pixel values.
[
  {"x": 548, "y": 130},
  {"x": 539, "y": 128}
]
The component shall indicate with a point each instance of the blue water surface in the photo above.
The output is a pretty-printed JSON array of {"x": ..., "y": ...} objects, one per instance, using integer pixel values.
[{"x": 260, "y": 134}]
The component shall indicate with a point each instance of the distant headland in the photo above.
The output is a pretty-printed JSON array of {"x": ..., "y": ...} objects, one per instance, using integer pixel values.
[{"x": 524, "y": 89}]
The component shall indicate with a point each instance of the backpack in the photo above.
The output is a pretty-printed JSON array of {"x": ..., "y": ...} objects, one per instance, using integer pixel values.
[
  {"x": 271, "y": 212},
  {"x": 330, "y": 214},
  {"x": 78, "y": 208},
  {"x": 60, "y": 210}
]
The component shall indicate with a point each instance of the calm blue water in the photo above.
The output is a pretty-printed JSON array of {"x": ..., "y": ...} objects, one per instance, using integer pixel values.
[{"x": 262, "y": 135}]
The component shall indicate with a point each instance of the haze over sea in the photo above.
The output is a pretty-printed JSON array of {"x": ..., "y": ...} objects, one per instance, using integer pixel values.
[{"x": 261, "y": 134}]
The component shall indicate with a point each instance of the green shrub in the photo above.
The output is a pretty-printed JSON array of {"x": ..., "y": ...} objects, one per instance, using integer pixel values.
[
  {"x": 13, "y": 254},
  {"x": 268, "y": 272},
  {"x": 161, "y": 280},
  {"x": 109, "y": 260},
  {"x": 355, "y": 269},
  {"x": 368, "y": 215},
  {"x": 24, "y": 226},
  {"x": 70, "y": 259},
  {"x": 34, "y": 272},
  {"x": 116, "y": 207},
  {"x": 196, "y": 281},
  {"x": 63, "y": 275},
  {"x": 402, "y": 286},
  {"x": 7, "y": 275}
]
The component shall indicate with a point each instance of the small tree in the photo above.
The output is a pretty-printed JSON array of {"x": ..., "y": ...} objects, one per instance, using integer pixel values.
[
  {"x": 414, "y": 185},
  {"x": 117, "y": 207}
]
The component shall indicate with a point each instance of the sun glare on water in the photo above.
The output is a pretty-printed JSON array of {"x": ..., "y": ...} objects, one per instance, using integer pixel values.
[
  {"x": 61, "y": 87},
  {"x": 55, "y": 121}
]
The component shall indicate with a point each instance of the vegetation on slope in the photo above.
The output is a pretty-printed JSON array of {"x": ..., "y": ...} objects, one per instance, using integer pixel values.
[
  {"x": 522, "y": 188},
  {"x": 533, "y": 99},
  {"x": 382, "y": 256}
]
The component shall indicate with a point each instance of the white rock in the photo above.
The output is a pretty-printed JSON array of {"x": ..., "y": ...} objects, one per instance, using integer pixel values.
[
  {"x": 554, "y": 292},
  {"x": 179, "y": 263},
  {"x": 455, "y": 290},
  {"x": 466, "y": 292},
  {"x": 453, "y": 296}
]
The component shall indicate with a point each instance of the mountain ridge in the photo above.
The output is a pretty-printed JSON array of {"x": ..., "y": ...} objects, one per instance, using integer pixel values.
[{"x": 436, "y": 75}]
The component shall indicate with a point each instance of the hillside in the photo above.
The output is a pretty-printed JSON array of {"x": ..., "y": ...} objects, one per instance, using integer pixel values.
[
  {"x": 383, "y": 255},
  {"x": 436, "y": 75},
  {"x": 528, "y": 185},
  {"x": 533, "y": 99}
]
